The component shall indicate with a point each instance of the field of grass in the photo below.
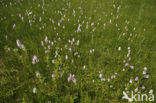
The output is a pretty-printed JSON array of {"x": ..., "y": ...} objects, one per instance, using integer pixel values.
[{"x": 76, "y": 51}]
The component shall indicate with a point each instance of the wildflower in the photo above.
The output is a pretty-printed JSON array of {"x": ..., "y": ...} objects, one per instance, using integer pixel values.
[
  {"x": 151, "y": 91},
  {"x": 37, "y": 74},
  {"x": 103, "y": 79},
  {"x": 119, "y": 49},
  {"x": 73, "y": 39},
  {"x": 145, "y": 68},
  {"x": 136, "y": 90},
  {"x": 79, "y": 28},
  {"x": 108, "y": 79},
  {"x": 35, "y": 60},
  {"x": 92, "y": 23},
  {"x": 143, "y": 87},
  {"x": 53, "y": 75},
  {"x": 70, "y": 49},
  {"x": 66, "y": 57},
  {"x": 8, "y": 49},
  {"x": 84, "y": 67},
  {"x": 40, "y": 19},
  {"x": 21, "y": 46},
  {"x": 134, "y": 28},
  {"x": 132, "y": 67},
  {"x": 73, "y": 12},
  {"x": 90, "y": 51},
  {"x": 100, "y": 75},
  {"x": 77, "y": 43},
  {"x": 52, "y": 43},
  {"x": 93, "y": 81},
  {"x": 146, "y": 76},
  {"x": 131, "y": 81},
  {"x": 126, "y": 64},
  {"x": 42, "y": 43},
  {"x": 53, "y": 61},
  {"x": 123, "y": 34},
  {"x": 46, "y": 39},
  {"x": 34, "y": 90},
  {"x": 124, "y": 61},
  {"x": 72, "y": 61},
  {"x": 14, "y": 26},
  {"x": 144, "y": 72},
  {"x": 75, "y": 53},
  {"x": 72, "y": 78},
  {"x": 104, "y": 24},
  {"x": 110, "y": 21},
  {"x": 112, "y": 76},
  {"x": 136, "y": 79},
  {"x": 49, "y": 46}
]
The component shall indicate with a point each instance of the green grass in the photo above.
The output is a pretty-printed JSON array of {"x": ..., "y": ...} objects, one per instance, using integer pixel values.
[{"x": 135, "y": 18}]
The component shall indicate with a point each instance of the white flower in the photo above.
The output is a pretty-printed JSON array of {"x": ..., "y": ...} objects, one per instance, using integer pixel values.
[
  {"x": 70, "y": 49},
  {"x": 35, "y": 60},
  {"x": 53, "y": 75},
  {"x": 119, "y": 49},
  {"x": 72, "y": 78},
  {"x": 42, "y": 43},
  {"x": 131, "y": 81},
  {"x": 145, "y": 68},
  {"x": 73, "y": 39},
  {"x": 136, "y": 79},
  {"x": 84, "y": 67},
  {"x": 144, "y": 72},
  {"x": 93, "y": 81},
  {"x": 136, "y": 90},
  {"x": 103, "y": 79},
  {"x": 143, "y": 87},
  {"x": 46, "y": 39},
  {"x": 100, "y": 75},
  {"x": 53, "y": 61},
  {"x": 146, "y": 76},
  {"x": 34, "y": 90},
  {"x": 77, "y": 43},
  {"x": 79, "y": 28},
  {"x": 21, "y": 46},
  {"x": 126, "y": 64},
  {"x": 52, "y": 43},
  {"x": 110, "y": 21},
  {"x": 132, "y": 67},
  {"x": 8, "y": 49},
  {"x": 37, "y": 74},
  {"x": 14, "y": 26},
  {"x": 92, "y": 23},
  {"x": 151, "y": 91},
  {"x": 66, "y": 57}
]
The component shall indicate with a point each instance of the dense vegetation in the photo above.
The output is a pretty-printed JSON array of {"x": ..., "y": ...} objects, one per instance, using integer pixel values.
[{"x": 76, "y": 51}]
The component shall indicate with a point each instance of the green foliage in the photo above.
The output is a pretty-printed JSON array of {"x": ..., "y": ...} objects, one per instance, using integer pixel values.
[{"x": 76, "y": 51}]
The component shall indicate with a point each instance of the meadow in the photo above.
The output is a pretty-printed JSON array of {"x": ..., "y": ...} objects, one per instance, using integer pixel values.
[{"x": 76, "y": 51}]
